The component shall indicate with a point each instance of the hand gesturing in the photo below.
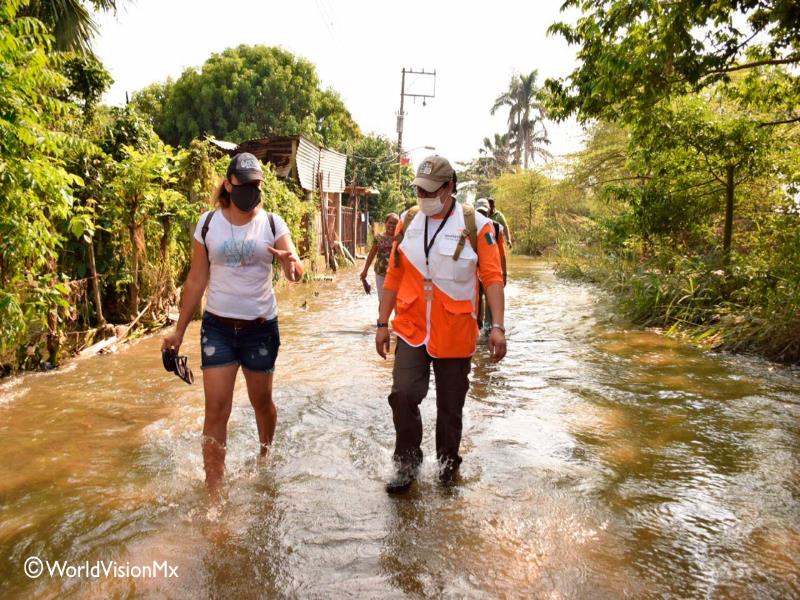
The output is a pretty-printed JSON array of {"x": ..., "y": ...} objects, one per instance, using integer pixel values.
[{"x": 287, "y": 259}]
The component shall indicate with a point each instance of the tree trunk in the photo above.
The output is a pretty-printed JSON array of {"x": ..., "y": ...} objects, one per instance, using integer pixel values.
[
  {"x": 526, "y": 137},
  {"x": 166, "y": 223},
  {"x": 728, "y": 233},
  {"x": 134, "y": 298},
  {"x": 53, "y": 341},
  {"x": 98, "y": 304}
]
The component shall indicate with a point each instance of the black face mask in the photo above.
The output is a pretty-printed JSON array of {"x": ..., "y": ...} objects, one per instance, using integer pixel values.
[{"x": 246, "y": 197}]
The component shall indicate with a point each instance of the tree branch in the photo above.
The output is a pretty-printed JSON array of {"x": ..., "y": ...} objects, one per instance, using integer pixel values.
[
  {"x": 631, "y": 178},
  {"x": 782, "y": 122},
  {"x": 759, "y": 63}
]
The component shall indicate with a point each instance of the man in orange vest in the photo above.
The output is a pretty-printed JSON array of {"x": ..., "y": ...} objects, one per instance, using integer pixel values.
[{"x": 441, "y": 251}]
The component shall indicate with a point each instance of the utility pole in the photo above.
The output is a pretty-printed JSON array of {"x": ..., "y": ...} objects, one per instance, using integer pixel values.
[{"x": 403, "y": 95}]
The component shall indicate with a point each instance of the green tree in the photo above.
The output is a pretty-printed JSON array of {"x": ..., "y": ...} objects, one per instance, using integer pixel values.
[
  {"x": 638, "y": 61},
  {"x": 88, "y": 81},
  {"x": 373, "y": 162},
  {"x": 525, "y": 113},
  {"x": 633, "y": 54},
  {"x": 144, "y": 195},
  {"x": 35, "y": 187},
  {"x": 695, "y": 108},
  {"x": 244, "y": 93},
  {"x": 70, "y": 21},
  {"x": 498, "y": 153},
  {"x": 494, "y": 159}
]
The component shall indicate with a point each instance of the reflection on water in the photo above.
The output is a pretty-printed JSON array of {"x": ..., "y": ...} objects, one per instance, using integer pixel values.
[{"x": 600, "y": 462}]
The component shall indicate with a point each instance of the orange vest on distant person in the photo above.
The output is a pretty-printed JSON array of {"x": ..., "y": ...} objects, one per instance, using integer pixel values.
[{"x": 445, "y": 325}]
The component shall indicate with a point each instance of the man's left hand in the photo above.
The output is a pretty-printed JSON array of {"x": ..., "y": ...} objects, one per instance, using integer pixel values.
[{"x": 497, "y": 344}]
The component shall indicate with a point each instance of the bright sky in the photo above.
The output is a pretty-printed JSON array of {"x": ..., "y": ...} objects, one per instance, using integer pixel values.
[{"x": 359, "y": 48}]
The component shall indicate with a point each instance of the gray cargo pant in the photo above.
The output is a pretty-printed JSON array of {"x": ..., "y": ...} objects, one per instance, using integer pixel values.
[{"x": 411, "y": 377}]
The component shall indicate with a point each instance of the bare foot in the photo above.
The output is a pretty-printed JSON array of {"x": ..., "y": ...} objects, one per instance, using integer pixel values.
[
  {"x": 214, "y": 464},
  {"x": 263, "y": 455}
]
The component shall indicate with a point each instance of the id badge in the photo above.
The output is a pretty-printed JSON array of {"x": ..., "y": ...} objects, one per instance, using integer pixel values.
[{"x": 427, "y": 289}]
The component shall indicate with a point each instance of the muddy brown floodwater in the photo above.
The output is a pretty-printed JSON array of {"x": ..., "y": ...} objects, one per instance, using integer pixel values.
[{"x": 600, "y": 461}]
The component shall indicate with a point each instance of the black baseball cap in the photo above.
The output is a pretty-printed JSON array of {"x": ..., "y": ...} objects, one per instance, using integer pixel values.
[{"x": 246, "y": 168}]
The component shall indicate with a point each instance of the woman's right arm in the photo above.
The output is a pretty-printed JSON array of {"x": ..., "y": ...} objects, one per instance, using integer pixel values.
[
  {"x": 370, "y": 257},
  {"x": 193, "y": 290}
]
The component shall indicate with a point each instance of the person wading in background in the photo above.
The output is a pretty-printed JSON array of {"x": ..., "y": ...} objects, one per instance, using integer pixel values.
[
  {"x": 484, "y": 312},
  {"x": 442, "y": 248},
  {"x": 496, "y": 215},
  {"x": 381, "y": 248}
]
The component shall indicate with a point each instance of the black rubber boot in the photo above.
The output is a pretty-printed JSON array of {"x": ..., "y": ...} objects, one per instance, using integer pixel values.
[
  {"x": 402, "y": 480},
  {"x": 448, "y": 471}
]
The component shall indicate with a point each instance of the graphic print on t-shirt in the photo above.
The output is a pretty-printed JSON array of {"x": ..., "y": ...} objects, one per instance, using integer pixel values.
[{"x": 238, "y": 252}]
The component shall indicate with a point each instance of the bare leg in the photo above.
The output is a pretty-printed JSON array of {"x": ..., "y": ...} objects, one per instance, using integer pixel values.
[
  {"x": 259, "y": 388},
  {"x": 218, "y": 384}
]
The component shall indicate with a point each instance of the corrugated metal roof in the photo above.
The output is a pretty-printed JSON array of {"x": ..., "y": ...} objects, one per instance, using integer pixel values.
[
  {"x": 228, "y": 147},
  {"x": 309, "y": 160},
  {"x": 276, "y": 151},
  {"x": 332, "y": 165}
]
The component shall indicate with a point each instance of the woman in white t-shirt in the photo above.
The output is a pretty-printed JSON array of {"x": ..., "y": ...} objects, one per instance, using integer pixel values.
[{"x": 233, "y": 254}]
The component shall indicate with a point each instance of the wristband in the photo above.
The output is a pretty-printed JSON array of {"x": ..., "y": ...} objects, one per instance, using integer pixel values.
[
  {"x": 498, "y": 326},
  {"x": 379, "y": 325}
]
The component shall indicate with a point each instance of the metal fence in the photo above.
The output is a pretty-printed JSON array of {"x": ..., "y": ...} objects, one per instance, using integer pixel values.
[{"x": 349, "y": 228}]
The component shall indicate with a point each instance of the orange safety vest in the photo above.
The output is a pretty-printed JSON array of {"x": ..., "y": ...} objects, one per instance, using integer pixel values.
[{"x": 446, "y": 325}]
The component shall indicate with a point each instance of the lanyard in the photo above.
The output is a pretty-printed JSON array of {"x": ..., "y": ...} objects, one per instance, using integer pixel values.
[{"x": 428, "y": 246}]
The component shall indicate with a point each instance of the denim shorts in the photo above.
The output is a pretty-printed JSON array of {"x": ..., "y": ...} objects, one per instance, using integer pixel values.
[{"x": 254, "y": 347}]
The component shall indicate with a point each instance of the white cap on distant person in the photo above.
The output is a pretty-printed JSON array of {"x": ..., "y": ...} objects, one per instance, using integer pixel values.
[{"x": 482, "y": 205}]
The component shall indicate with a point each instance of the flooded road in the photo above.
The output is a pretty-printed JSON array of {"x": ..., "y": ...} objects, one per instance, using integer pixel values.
[{"x": 599, "y": 462}]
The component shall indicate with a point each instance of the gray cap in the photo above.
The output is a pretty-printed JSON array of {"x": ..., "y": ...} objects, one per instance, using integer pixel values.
[
  {"x": 433, "y": 173},
  {"x": 246, "y": 168},
  {"x": 482, "y": 204}
]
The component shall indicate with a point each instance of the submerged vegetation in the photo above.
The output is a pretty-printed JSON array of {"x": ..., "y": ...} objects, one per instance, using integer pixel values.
[
  {"x": 95, "y": 206},
  {"x": 685, "y": 201}
]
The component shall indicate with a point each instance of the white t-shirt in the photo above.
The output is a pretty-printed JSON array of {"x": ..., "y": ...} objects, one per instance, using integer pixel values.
[{"x": 240, "y": 277}]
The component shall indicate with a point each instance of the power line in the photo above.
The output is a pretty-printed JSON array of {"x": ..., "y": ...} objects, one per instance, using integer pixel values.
[{"x": 403, "y": 94}]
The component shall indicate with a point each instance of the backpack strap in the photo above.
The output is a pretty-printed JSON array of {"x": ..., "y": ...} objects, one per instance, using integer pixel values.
[
  {"x": 470, "y": 231},
  {"x": 204, "y": 230},
  {"x": 272, "y": 227},
  {"x": 398, "y": 238}
]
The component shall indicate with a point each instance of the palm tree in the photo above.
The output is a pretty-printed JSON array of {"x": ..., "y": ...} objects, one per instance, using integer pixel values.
[
  {"x": 533, "y": 141},
  {"x": 70, "y": 21},
  {"x": 525, "y": 112},
  {"x": 496, "y": 154}
]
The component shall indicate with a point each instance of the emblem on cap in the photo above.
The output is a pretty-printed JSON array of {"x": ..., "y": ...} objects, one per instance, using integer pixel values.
[
  {"x": 248, "y": 163},
  {"x": 426, "y": 168}
]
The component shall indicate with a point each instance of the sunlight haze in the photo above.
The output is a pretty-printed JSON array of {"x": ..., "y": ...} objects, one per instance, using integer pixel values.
[{"x": 359, "y": 49}]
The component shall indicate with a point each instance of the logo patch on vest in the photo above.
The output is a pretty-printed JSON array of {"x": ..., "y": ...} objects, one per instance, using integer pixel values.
[{"x": 489, "y": 238}]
